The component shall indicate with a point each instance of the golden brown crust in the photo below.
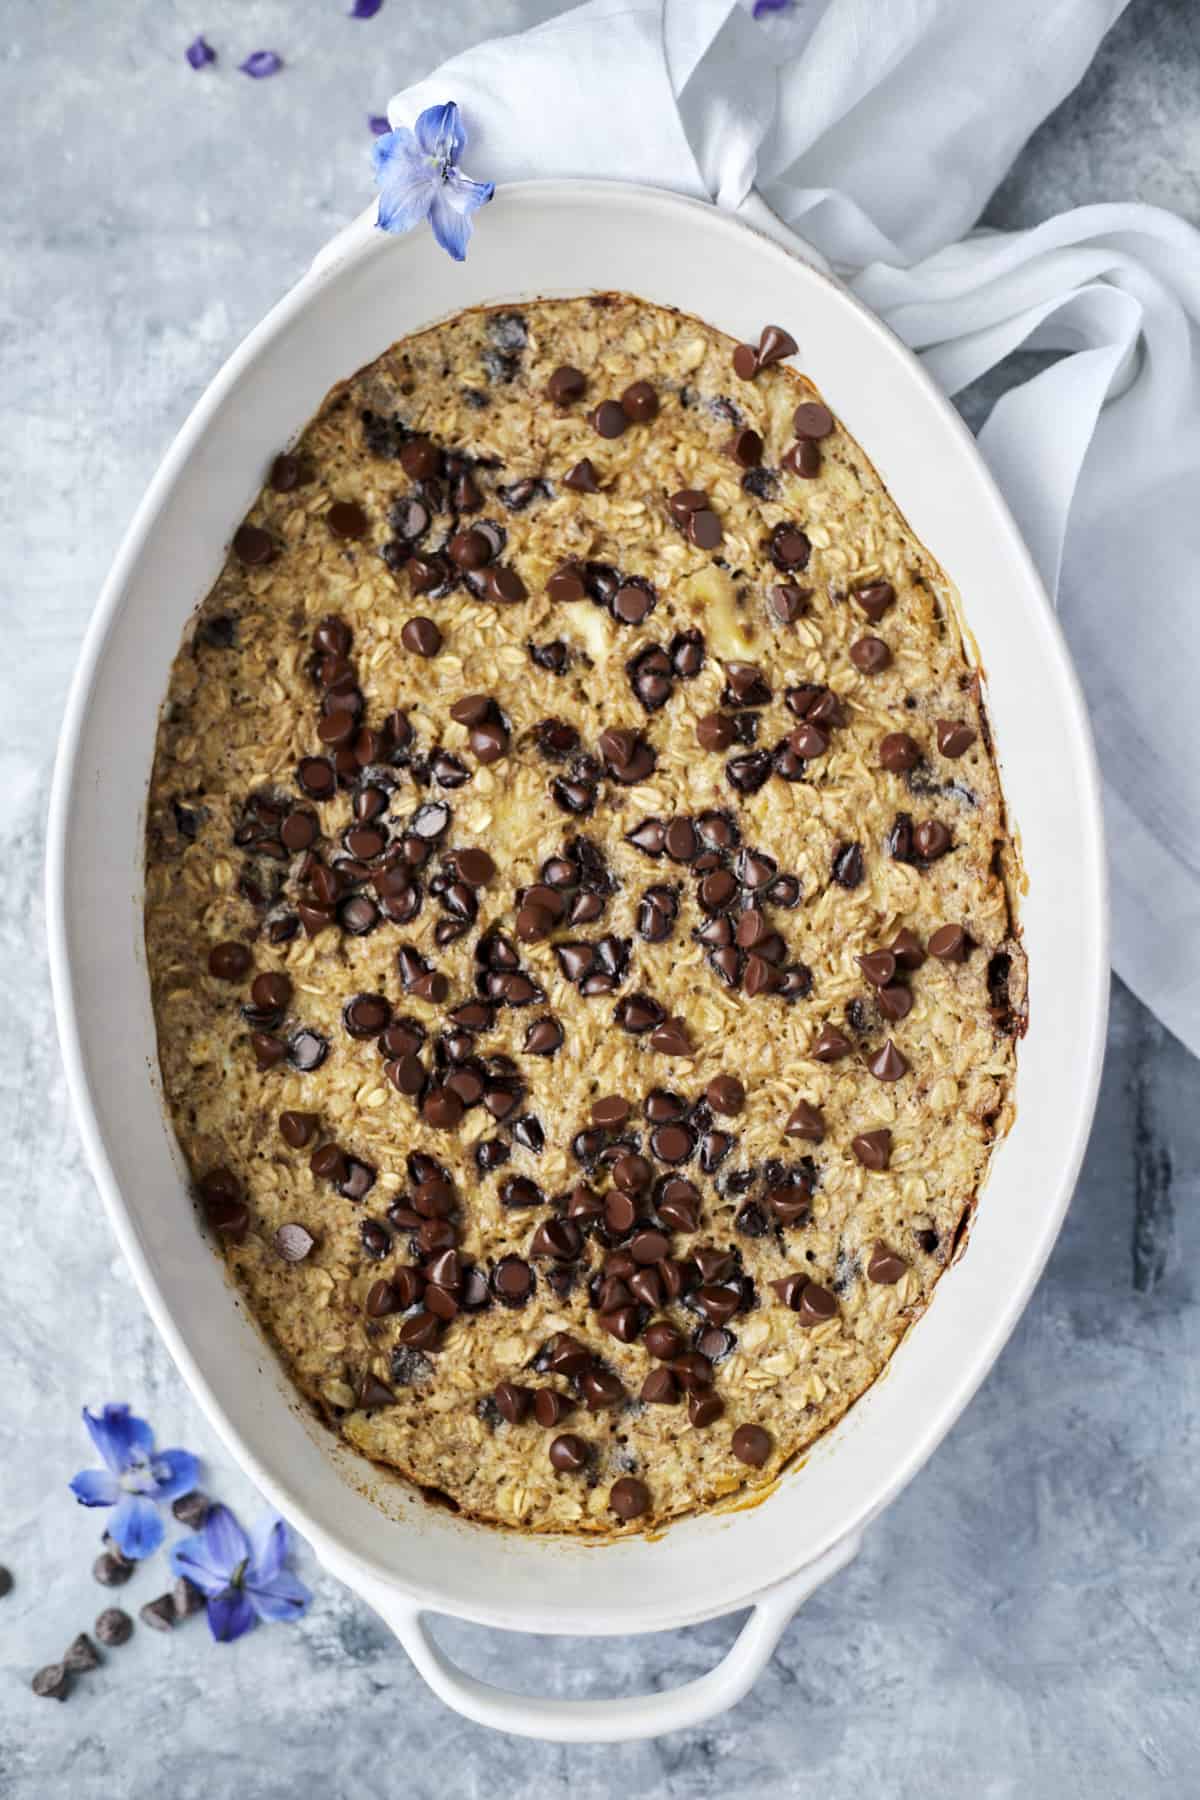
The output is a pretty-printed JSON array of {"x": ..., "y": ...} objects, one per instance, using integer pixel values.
[{"x": 242, "y": 711}]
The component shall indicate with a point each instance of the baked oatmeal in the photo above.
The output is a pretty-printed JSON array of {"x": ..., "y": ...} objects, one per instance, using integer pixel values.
[{"x": 578, "y": 914}]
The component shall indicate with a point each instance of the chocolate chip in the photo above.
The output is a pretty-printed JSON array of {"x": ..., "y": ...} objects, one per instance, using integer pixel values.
[
  {"x": 751, "y": 1444},
  {"x": 111, "y": 1569},
  {"x": 746, "y": 448},
  {"x": 875, "y": 599},
  {"x": 253, "y": 546},
  {"x": 512, "y": 1401},
  {"x": 808, "y": 741},
  {"x": 81, "y": 1655},
  {"x": 504, "y": 586},
  {"x": 949, "y": 943},
  {"x": 817, "y": 1305},
  {"x": 704, "y": 1409},
  {"x": 633, "y": 602},
  {"x": 682, "y": 505},
  {"x": 663, "y": 1340},
  {"x": 830, "y": 1045},
  {"x": 745, "y": 685},
  {"x": 884, "y": 1266},
  {"x": 582, "y": 477},
  {"x": 848, "y": 867},
  {"x": 812, "y": 420},
  {"x": 346, "y": 519},
  {"x": 746, "y": 774},
  {"x": 788, "y": 548},
  {"x": 568, "y": 1453},
  {"x": 609, "y": 419},
  {"x": 879, "y": 967},
  {"x": 629, "y": 1498},
  {"x": 788, "y": 602},
  {"x": 113, "y": 1627},
  {"x": 639, "y": 402},
  {"x": 293, "y": 1242},
  {"x": 894, "y": 1001},
  {"x": 745, "y": 362},
  {"x": 873, "y": 1148},
  {"x": 931, "y": 839},
  {"x": 870, "y": 655},
  {"x": 954, "y": 736},
  {"x": 307, "y": 1051},
  {"x": 442, "y": 1109},
  {"x": 628, "y": 757},
  {"x": 704, "y": 529},
  {"x": 715, "y": 731},
  {"x": 512, "y": 1280},
  {"x": 660, "y": 1387},
  {"x": 671, "y": 1038},
  {"x": 725, "y": 1093},
  {"x": 566, "y": 384},
  {"x": 421, "y": 636},
  {"x": 158, "y": 1614},
  {"x": 898, "y": 753},
  {"x": 53, "y": 1682},
  {"x": 888, "y": 1064},
  {"x": 191, "y": 1509},
  {"x": 803, "y": 459}
]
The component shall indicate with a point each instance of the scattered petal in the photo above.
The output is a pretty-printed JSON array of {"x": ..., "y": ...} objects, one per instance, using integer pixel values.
[
  {"x": 379, "y": 124},
  {"x": 190, "y": 1557},
  {"x": 763, "y": 7},
  {"x": 96, "y": 1487},
  {"x": 439, "y": 133},
  {"x": 199, "y": 53},
  {"x": 268, "y": 1547},
  {"x": 365, "y": 9},
  {"x": 175, "y": 1472},
  {"x": 135, "y": 1527},
  {"x": 261, "y": 64},
  {"x": 116, "y": 1434},
  {"x": 280, "y": 1600},
  {"x": 230, "y": 1614},
  {"x": 225, "y": 1541}
]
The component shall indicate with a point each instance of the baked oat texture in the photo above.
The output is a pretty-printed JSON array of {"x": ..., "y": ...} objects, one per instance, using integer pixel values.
[{"x": 242, "y": 711}]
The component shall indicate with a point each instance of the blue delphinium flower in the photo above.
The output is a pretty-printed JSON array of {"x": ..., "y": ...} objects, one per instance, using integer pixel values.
[
  {"x": 242, "y": 1579},
  {"x": 763, "y": 7},
  {"x": 136, "y": 1477},
  {"x": 418, "y": 179}
]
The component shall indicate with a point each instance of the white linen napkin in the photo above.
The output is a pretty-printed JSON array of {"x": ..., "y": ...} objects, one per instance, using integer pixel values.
[{"x": 879, "y": 129}]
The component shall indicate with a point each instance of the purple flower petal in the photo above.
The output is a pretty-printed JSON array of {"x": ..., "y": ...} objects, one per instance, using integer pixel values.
[
  {"x": 229, "y": 1615},
  {"x": 379, "y": 124},
  {"x": 268, "y": 1548},
  {"x": 279, "y": 1600},
  {"x": 116, "y": 1434},
  {"x": 225, "y": 1541},
  {"x": 365, "y": 9},
  {"x": 175, "y": 1472},
  {"x": 135, "y": 1527},
  {"x": 96, "y": 1487},
  {"x": 199, "y": 53},
  {"x": 261, "y": 64},
  {"x": 190, "y": 1557},
  {"x": 407, "y": 182},
  {"x": 456, "y": 199},
  {"x": 439, "y": 133},
  {"x": 763, "y": 7}
]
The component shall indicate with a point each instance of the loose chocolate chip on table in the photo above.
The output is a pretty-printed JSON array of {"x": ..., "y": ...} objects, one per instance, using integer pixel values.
[
  {"x": 888, "y": 1064},
  {"x": 81, "y": 1655},
  {"x": 873, "y": 1148},
  {"x": 954, "y": 736},
  {"x": 806, "y": 1121},
  {"x": 884, "y": 1266},
  {"x": 112, "y": 1570},
  {"x": 191, "y": 1509},
  {"x": 421, "y": 636},
  {"x": 229, "y": 961},
  {"x": 187, "y": 1597},
  {"x": 113, "y": 1627},
  {"x": 566, "y": 384},
  {"x": 159, "y": 1614},
  {"x": 568, "y": 1453},
  {"x": 582, "y": 477},
  {"x": 949, "y": 943},
  {"x": 6, "y": 1581},
  {"x": 253, "y": 546},
  {"x": 52, "y": 1682},
  {"x": 629, "y": 1498},
  {"x": 346, "y": 519},
  {"x": 609, "y": 419},
  {"x": 751, "y": 1444}
]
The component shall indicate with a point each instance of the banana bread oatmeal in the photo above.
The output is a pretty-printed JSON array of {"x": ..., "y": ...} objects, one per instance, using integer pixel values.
[{"x": 578, "y": 914}]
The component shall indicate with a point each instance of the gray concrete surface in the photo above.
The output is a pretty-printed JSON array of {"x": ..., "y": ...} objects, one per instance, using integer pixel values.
[{"x": 1024, "y": 1621}]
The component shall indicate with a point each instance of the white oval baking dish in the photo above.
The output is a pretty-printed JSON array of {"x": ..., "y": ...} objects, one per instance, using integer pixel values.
[{"x": 404, "y": 1557}]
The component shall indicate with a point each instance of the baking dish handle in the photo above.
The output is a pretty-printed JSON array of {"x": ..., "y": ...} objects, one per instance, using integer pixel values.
[{"x": 623, "y": 1720}]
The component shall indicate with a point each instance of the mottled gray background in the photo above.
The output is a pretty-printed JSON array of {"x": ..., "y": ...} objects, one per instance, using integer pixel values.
[{"x": 1024, "y": 1620}]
